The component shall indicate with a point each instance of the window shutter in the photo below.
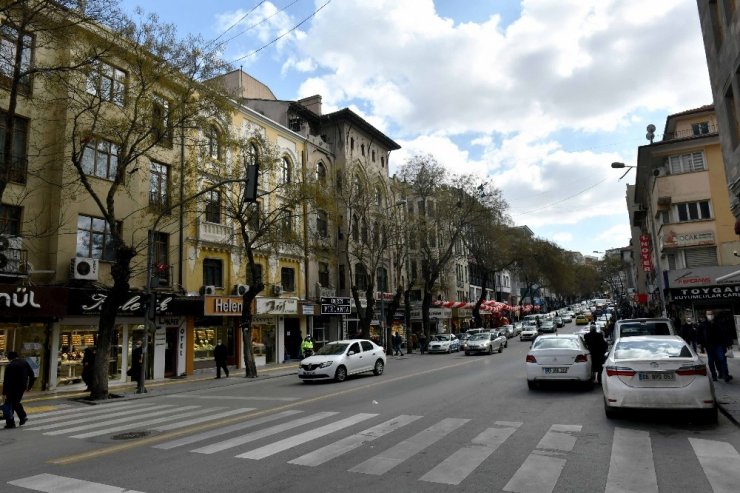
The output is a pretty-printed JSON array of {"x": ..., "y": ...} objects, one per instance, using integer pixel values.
[{"x": 700, "y": 257}]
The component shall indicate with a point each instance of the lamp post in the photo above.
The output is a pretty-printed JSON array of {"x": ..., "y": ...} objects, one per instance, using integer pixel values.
[
  {"x": 151, "y": 295},
  {"x": 618, "y": 165}
]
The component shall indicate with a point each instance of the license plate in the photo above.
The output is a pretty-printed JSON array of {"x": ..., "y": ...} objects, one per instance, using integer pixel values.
[
  {"x": 655, "y": 376},
  {"x": 555, "y": 370}
]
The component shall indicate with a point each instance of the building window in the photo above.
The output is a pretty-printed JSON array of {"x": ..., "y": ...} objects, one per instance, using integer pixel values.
[
  {"x": 159, "y": 185},
  {"x": 161, "y": 125},
  {"x": 321, "y": 173},
  {"x": 94, "y": 239},
  {"x": 362, "y": 149},
  {"x": 360, "y": 277},
  {"x": 10, "y": 220},
  {"x": 213, "y": 142},
  {"x": 342, "y": 278},
  {"x": 322, "y": 224},
  {"x": 372, "y": 156},
  {"x": 378, "y": 196},
  {"x": 287, "y": 278},
  {"x": 324, "y": 274},
  {"x": 8, "y": 51},
  {"x": 414, "y": 271},
  {"x": 376, "y": 234},
  {"x": 382, "y": 280},
  {"x": 364, "y": 232},
  {"x": 253, "y": 220},
  {"x": 382, "y": 162},
  {"x": 355, "y": 229},
  {"x": 687, "y": 163},
  {"x": 285, "y": 171},
  {"x": 693, "y": 211},
  {"x": 351, "y": 143},
  {"x": 700, "y": 128},
  {"x": 107, "y": 83},
  {"x": 161, "y": 259},
  {"x": 252, "y": 155},
  {"x": 665, "y": 217},
  {"x": 213, "y": 272},
  {"x": 213, "y": 206},
  {"x": 100, "y": 159},
  {"x": 17, "y": 172},
  {"x": 286, "y": 223},
  {"x": 257, "y": 277}
]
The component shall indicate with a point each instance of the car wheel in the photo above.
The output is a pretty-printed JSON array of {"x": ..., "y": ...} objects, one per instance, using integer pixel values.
[
  {"x": 531, "y": 385},
  {"x": 341, "y": 374},
  {"x": 379, "y": 367},
  {"x": 467, "y": 353},
  {"x": 500, "y": 348},
  {"x": 449, "y": 350},
  {"x": 709, "y": 416}
]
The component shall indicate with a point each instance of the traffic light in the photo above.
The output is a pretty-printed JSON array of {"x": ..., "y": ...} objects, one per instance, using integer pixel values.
[{"x": 4, "y": 246}]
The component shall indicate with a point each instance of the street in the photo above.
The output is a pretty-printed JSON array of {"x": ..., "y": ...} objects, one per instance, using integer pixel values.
[{"x": 429, "y": 423}]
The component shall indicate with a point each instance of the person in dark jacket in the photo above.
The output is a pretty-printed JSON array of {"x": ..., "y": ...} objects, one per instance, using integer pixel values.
[
  {"x": 397, "y": 340},
  {"x": 597, "y": 346},
  {"x": 19, "y": 377},
  {"x": 221, "y": 355},
  {"x": 715, "y": 339},
  {"x": 688, "y": 333},
  {"x": 88, "y": 365},
  {"x": 137, "y": 359}
]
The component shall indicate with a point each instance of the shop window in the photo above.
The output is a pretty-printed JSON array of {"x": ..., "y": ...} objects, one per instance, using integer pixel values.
[
  {"x": 206, "y": 336},
  {"x": 73, "y": 340},
  {"x": 287, "y": 278},
  {"x": 10, "y": 220},
  {"x": 213, "y": 272},
  {"x": 94, "y": 239},
  {"x": 19, "y": 159}
]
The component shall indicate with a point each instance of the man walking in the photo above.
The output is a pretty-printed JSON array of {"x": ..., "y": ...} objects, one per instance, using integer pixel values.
[
  {"x": 397, "y": 345},
  {"x": 19, "y": 377},
  {"x": 221, "y": 355},
  {"x": 597, "y": 346},
  {"x": 714, "y": 339},
  {"x": 688, "y": 333}
]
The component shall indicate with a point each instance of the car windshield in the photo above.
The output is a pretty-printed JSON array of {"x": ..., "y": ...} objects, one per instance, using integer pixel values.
[
  {"x": 333, "y": 349},
  {"x": 630, "y": 329},
  {"x": 651, "y": 349},
  {"x": 442, "y": 338},
  {"x": 553, "y": 343},
  {"x": 480, "y": 337}
]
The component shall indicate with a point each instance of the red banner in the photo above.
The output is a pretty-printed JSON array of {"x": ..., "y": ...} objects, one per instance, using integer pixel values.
[{"x": 645, "y": 253}]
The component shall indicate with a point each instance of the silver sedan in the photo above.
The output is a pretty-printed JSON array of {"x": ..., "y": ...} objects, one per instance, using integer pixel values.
[{"x": 485, "y": 342}]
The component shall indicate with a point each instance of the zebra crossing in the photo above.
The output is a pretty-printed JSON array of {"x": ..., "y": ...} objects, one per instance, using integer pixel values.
[{"x": 262, "y": 437}]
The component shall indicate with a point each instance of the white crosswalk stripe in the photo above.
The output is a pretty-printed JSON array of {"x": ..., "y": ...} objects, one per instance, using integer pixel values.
[
  {"x": 631, "y": 466},
  {"x": 87, "y": 418},
  {"x": 203, "y": 419},
  {"x": 51, "y": 483},
  {"x": 721, "y": 464},
  {"x": 147, "y": 422},
  {"x": 110, "y": 422}
]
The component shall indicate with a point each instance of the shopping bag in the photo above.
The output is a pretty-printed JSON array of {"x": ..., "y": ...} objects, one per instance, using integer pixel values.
[{"x": 730, "y": 353}]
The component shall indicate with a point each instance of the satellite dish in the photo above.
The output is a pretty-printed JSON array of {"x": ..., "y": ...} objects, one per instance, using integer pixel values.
[{"x": 650, "y": 133}]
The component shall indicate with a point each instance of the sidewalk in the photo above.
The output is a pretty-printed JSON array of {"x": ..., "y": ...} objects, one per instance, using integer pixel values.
[
  {"x": 728, "y": 394},
  {"x": 199, "y": 380}
]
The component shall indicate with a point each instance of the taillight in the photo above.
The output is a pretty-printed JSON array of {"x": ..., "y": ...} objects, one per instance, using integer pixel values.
[
  {"x": 582, "y": 358},
  {"x": 619, "y": 371},
  {"x": 692, "y": 370},
  {"x": 531, "y": 358}
]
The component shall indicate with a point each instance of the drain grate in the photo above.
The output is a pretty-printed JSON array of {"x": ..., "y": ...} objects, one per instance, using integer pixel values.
[{"x": 130, "y": 435}]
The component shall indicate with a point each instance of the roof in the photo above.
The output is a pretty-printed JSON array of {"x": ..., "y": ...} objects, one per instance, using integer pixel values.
[{"x": 354, "y": 118}]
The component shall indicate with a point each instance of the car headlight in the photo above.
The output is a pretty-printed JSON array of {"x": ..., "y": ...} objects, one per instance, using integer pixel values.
[{"x": 326, "y": 364}]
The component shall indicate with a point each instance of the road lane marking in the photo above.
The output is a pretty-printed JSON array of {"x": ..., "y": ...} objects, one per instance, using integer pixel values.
[
  {"x": 51, "y": 483},
  {"x": 631, "y": 467},
  {"x": 334, "y": 450},
  {"x": 112, "y": 449},
  {"x": 720, "y": 462},
  {"x": 225, "y": 431},
  {"x": 202, "y": 419},
  {"x": 542, "y": 468},
  {"x": 145, "y": 422},
  {"x": 84, "y": 415},
  {"x": 235, "y": 397},
  {"x": 395, "y": 455},
  {"x": 459, "y": 465},
  {"x": 127, "y": 419},
  {"x": 265, "y": 432}
]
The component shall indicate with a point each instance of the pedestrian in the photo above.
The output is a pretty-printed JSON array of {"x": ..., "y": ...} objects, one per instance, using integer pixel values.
[
  {"x": 597, "y": 346},
  {"x": 19, "y": 378},
  {"x": 414, "y": 342},
  {"x": 422, "y": 342},
  {"x": 397, "y": 344},
  {"x": 88, "y": 366},
  {"x": 221, "y": 355},
  {"x": 137, "y": 359},
  {"x": 713, "y": 338},
  {"x": 688, "y": 332},
  {"x": 307, "y": 346}
]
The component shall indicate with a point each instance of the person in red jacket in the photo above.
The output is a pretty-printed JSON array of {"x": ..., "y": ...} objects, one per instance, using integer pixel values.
[{"x": 19, "y": 377}]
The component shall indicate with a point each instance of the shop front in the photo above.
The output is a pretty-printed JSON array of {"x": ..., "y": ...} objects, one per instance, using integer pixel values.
[
  {"x": 440, "y": 320},
  {"x": 280, "y": 330},
  {"x": 27, "y": 317}
]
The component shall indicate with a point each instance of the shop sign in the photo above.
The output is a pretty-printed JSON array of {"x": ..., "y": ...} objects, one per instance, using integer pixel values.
[
  {"x": 277, "y": 306},
  {"x": 645, "y": 253},
  {"x": 222, "y": 306},
  {"x": 335, "y": 305},
  {"x": 464, "y": 313},
  {"x": 706, "y": 293},
  {"x": 307, "y": 309},
  {"x": 384, "y": 296},
  {"x": 32, "y": 301},
  {"x": 703, "y": 276},
  {"x": 672, "y": 239},
  {"x": 433, "y": 313},
  {"x": 85, "y": 302}
]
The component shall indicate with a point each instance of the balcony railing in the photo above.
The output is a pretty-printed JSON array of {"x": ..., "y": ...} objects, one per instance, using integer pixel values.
[
  {"x": 683, "y": 134},
  {"x": 215, "y": 233},
  {"x": 16, "y": 263}
]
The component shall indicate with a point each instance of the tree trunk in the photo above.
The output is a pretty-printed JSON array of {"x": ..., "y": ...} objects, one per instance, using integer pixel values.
[
  {"x": 250, "y": 367},
  {"x": 407, "y": 319}
]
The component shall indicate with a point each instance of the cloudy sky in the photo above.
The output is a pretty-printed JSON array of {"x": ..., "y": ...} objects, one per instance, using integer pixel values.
[{"x": 537, "y": 97}]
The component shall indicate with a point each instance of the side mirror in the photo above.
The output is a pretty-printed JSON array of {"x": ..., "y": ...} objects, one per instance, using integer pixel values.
[{"x": 351, "y": 353}]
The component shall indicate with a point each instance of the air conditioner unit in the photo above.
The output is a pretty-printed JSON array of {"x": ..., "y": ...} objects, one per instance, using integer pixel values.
[
  {"x": 240, "y": 289},
  {"x": 277, "y": 289},
  {"x": 10, "y": 258},
  {"x": 208, "y": 290},
  {"x": 84, "y": 268},
  {"x": 659, "y": 171}
]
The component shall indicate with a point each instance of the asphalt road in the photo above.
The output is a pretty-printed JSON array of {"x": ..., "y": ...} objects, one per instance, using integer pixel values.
[{"x": 429, "y": 423}]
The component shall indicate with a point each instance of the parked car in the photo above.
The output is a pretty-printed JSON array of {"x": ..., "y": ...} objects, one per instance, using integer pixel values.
[
  {"x": 339, "y": 359},
  {"x": 464, "y": 337},
  {"x": 517, "y": 328},
  {"x": 547, "y": 327},
  {"x": 558, "y": 358},
  {"x": 567, "y": 318},
  {"x": 485, "y": 342},
  {"x": 656, "y": 372},
  {"x": 630, "y": 327},
  {"x": 443, "y": 343},
  {"x": 508, "y": 331},
  {"x": 528, "y": 333}
]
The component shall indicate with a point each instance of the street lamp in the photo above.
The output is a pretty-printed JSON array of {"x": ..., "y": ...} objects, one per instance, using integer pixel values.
[
  {"x": 151, "y": 311},
  {"x": 618, "y": 165}
]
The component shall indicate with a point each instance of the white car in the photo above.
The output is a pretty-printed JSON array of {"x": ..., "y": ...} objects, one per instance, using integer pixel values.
[
  {"x": 656, "y": 372},
  {"x": 528, "y": 333},
  {"x": 443, "y": 343},
  {"x": 558, "y": 357},
  {"x": 336, "y": 360}
]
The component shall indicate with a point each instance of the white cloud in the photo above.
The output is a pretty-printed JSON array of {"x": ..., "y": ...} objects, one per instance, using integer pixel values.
[{"x": 562, "y": 237}]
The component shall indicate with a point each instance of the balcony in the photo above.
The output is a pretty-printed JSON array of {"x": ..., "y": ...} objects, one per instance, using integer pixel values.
[
  {"x": 215, "y": 233},
  {"x": 689, "y": 132}
]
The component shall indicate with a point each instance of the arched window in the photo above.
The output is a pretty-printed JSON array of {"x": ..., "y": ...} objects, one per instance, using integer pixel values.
[
  {"x": 321, "y": 173},
  {"x": 286, "y": 170}
]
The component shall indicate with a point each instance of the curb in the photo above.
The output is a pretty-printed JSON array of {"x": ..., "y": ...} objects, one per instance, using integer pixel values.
[{"x": 728, "y": 414}]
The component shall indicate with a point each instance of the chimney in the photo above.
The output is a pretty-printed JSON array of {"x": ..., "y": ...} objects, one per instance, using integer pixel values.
[{"x": 313, "y": 103}]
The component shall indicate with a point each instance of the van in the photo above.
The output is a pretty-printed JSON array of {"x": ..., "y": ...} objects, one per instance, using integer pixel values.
[{"x": 643, "y": 327}]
